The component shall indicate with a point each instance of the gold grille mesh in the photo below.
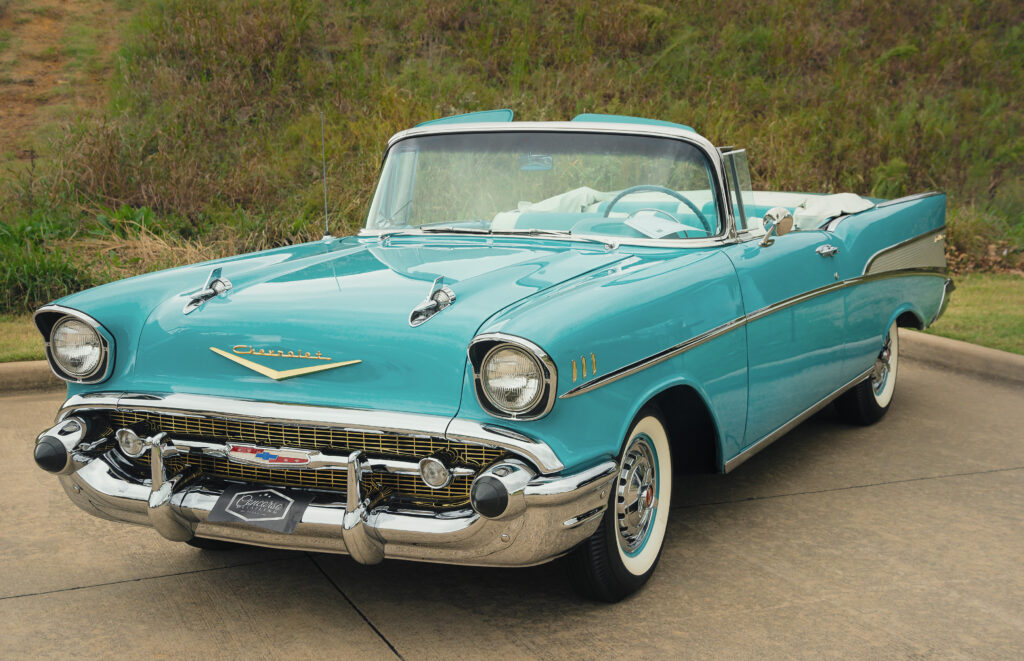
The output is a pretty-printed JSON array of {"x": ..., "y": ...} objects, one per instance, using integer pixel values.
[
  {"x": 313, "y": 438},
  {"x": 321, "y": 438}
]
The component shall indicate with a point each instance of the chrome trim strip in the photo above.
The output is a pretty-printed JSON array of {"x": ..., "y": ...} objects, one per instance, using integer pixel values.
[
  {"x": 947, "y": 289},
  {"x": 707, "y": 336},
  {"x": 781, "y": 431},
  {"x": 550, "y": 380},
  {"x": 106, "y": 364},
  {"x": 561, "y": 486},
  {"x": 407, "y": 424},
  {"x": 703, "y": 242},
  {"x": 317, "y": 460},
  {"x": 538, "y": 452},
  {"x": 651, "y": 361},
  {"x": 901, "y": 244},
  {"x": 831, "y": 223},
  {"x": 908, "y": 198}
]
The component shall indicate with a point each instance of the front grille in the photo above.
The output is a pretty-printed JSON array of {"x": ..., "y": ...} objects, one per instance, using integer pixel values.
[{"x": 407, "y": 488}]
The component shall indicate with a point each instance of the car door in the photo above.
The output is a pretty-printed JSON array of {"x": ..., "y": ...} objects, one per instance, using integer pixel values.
[{"x": 795, "y": 312}]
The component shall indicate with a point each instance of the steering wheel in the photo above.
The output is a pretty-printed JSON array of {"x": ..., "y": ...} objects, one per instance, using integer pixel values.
[{"x": 660, "y": 189}]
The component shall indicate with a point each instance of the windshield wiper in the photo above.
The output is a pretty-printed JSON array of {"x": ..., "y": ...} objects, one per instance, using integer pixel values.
[
  {"x": 455, "y": 230},
  {"x": 610, "y": 245}
]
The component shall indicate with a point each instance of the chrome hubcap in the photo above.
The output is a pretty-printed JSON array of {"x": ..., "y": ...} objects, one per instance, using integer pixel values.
[
  {"x": 636, "y": 500},
  {"x": 881, "y": 372}
]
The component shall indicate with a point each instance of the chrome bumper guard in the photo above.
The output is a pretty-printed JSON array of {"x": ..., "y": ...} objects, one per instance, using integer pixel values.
[{"x": 544, "y": 519}]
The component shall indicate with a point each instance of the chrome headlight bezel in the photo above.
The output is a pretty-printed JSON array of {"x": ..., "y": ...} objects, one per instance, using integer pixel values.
[
  {"x": 49, "y": 317},
  {"x": 484, "y": 347}
]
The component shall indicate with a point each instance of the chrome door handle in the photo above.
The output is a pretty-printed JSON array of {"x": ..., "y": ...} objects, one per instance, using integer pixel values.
[{"x": 826, "y": 250}]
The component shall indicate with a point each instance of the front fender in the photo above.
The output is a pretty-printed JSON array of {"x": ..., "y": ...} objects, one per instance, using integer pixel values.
[{"x": 619, "y": 316}]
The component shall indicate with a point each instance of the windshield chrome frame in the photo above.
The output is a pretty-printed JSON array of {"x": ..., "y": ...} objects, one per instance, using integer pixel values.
[{"x": 728, "y": 222}]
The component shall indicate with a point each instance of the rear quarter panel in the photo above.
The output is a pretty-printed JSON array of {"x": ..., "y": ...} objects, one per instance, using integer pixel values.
[{"x": 895, "y": 255}]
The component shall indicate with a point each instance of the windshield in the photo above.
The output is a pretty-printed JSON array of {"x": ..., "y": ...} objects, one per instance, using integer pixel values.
[{"x": 580, "y": 183}]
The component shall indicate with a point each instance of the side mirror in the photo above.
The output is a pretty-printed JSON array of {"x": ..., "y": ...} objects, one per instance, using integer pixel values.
[{"x": 777, "y": 221}]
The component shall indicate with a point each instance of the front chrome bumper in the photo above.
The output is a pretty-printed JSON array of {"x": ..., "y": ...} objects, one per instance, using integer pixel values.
[
  {"x": 545, "y": 518},
  {"x": 556, "y": 514}
]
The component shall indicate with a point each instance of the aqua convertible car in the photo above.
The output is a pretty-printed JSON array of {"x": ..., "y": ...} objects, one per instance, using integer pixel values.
[{"x": 539, "y": 328}]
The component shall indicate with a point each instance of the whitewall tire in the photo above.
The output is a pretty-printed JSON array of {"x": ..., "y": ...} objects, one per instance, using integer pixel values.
[
  {"x": 623, "y": 552},
  {"x": 868, "y": 401}
]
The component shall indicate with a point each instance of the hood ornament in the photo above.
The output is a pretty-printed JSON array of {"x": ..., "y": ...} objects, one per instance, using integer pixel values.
[
  {"x": 215, "y": 286},
  {"x": 441, "y": 296}
]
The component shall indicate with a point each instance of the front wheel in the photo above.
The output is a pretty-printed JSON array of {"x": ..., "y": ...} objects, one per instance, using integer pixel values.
[
  {"x": 623, "y": 552},
  {"x": 867, "y": 402}
]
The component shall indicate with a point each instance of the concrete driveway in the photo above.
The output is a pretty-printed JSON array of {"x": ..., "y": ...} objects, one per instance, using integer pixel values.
[{"x": 901, "y": 540}]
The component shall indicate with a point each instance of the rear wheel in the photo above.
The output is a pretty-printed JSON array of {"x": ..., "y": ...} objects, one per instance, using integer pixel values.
[
  {"x": 867, "y": 402},
  {"x": 623, "y": 552}
]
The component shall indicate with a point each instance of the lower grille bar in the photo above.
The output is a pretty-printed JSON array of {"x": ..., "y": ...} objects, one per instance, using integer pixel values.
[{"x": 307, "y": 459}]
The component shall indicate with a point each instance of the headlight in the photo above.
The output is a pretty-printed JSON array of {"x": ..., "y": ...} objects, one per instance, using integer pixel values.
[
  {"x": 76, "y": 347},
  {"x": 514, "y": 377}
]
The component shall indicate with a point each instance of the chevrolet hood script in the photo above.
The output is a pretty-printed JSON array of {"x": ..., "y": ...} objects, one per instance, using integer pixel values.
[{"x": 279, "y": 375}]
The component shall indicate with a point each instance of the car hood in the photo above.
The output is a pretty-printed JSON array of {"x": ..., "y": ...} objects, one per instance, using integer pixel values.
[{"x": 348, "y": 304}]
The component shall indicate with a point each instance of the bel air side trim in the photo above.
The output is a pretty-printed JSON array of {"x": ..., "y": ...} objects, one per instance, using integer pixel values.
[
  {"x": 409, "y": 424},
  {"x": 784, "y": 429},
  {"x": 707, "y": 336},
  {"x": 927, "y": 250}
]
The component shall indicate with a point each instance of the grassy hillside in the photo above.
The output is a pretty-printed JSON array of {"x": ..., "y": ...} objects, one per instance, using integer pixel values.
[{"x": 210, "y": 140}]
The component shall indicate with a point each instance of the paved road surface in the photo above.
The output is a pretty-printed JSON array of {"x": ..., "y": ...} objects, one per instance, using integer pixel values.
[{"x": 900, "y": 540}]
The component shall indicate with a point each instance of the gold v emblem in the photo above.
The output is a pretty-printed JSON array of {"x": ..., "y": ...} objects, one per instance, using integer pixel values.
[{"x": 278, "y": 375}]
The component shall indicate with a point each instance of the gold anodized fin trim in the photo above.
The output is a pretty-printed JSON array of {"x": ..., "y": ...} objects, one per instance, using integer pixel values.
[{"x": 279, "y": 375}]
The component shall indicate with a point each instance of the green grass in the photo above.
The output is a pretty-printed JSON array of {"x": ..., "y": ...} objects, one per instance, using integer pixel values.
[
  {"x": 214, "y": 114},
  {"x": 19, "y": 339},
  {"x": 986, "y": 309}
]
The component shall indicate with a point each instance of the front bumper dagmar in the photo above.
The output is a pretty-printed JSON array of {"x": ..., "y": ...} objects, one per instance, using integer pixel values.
[{"x": 546, "y": 516}]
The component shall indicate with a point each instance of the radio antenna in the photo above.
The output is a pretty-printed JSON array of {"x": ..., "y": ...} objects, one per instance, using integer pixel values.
[{"x": 323, "y": 162}]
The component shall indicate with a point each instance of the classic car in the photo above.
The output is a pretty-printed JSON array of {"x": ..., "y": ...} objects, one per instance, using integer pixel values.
[{"x": 539, "y": 328}]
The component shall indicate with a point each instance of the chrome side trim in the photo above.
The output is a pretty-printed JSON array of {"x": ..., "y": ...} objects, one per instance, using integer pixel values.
[
  {"x": 492, "y": 340},
  {"x": 908, "y": 198},
  {"x": 784, "y": 429},
  {"x": 406, "y": 424},
  {"x": 106, "y": 364},
  {"x": 707, "y": 336},
  {"x": 831, "y": 224},
  {"x": 652, "y": 360},
  {"x": 918, "y": 256}
]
